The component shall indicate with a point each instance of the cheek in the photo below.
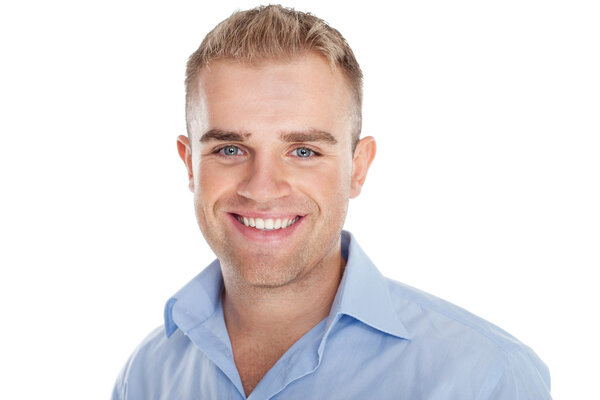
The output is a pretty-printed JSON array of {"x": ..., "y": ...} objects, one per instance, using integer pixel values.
[
  {"x": 327, "y": 185},
  {"x": 211, "y": 182}
]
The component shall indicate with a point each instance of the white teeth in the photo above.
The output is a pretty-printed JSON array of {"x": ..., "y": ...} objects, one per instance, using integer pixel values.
[{"x": 267, "y": 224}]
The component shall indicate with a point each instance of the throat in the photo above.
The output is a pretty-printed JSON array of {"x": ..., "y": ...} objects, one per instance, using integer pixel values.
[
  {"x": 258, "y": 346},
  {"x": 253, "y": 359},
  {"x": 263, "y": 323}
]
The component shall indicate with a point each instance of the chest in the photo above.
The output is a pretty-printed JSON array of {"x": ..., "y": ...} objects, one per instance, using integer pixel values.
[
  {"x": 356, "y": 364},
  {"x": 254, "y": 359}
]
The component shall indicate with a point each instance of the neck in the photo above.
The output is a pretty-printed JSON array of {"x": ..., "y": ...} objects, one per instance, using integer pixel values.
[{"x": 288, "y": 311}]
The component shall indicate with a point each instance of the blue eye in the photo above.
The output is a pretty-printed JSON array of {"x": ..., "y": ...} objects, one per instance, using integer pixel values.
[
  {"x": 230, "y": 150},
  {"x": 303, "y": 152}
]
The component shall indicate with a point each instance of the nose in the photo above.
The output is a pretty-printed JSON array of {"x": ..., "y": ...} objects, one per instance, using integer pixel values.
[{"x": 266, "y": 180}]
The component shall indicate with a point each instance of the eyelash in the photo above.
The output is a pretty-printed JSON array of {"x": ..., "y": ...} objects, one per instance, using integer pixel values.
[
  {"x": 219, "y": 151},
  {"x": 312, "y": 152}
]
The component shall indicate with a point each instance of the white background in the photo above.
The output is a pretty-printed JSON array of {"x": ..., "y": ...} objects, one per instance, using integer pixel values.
[{"x": 485, "y": 189}]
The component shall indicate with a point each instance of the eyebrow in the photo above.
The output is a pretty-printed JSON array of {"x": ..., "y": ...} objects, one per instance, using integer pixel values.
[
  {"x": 311, "y": 135},
  {"x": 223, "y": 136}
]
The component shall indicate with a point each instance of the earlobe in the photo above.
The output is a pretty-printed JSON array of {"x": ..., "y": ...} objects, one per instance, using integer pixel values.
[
  {"x": 363, "y": 157},
  {"x": 185, "y": 152}
]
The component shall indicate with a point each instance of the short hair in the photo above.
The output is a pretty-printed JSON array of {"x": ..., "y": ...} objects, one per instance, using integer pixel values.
[{"x": 276, "y": 33}]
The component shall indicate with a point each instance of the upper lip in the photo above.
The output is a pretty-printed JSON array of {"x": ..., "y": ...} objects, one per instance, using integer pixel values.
[{"x": 266, "y": 214}]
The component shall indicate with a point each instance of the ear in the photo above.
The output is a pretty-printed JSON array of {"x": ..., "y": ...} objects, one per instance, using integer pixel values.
[
  {"x": 362, "y": 159},
  {"x": 185, "y": 152}
]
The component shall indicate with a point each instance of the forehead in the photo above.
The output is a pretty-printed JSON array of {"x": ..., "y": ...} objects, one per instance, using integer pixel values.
[{"x": 304, "y": 93}]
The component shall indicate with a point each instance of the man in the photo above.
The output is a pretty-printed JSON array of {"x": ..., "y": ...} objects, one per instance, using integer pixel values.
[{"x": 292, "y": 308}]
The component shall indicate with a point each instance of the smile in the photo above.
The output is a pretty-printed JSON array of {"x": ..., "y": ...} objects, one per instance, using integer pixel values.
[{"x": 268, "y": 224}]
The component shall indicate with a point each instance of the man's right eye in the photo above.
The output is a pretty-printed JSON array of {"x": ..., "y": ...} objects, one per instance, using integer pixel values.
[{"x": 230, "y": 151}]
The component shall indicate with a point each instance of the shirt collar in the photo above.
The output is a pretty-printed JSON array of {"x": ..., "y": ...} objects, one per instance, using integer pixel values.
[
  {"x": 363, "y": 294},
  {"x": 196, "y": 301}
]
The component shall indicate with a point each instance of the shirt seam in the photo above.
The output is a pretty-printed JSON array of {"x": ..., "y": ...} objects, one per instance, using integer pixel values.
[
  {"x": 456, "y": 318},
  {"x": 506, "y": 351}
]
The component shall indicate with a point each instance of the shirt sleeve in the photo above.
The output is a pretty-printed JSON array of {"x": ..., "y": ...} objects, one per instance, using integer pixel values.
[
  {"x": 520, "y": 375},
  {"x": 118, "y": 392}
]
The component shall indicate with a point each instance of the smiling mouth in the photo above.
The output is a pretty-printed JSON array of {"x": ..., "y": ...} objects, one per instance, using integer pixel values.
[{"x": 267, "y": 224}]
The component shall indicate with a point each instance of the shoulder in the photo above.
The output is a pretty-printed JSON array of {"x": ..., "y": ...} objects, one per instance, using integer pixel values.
[
  {"x": 455, "y": 339},
  {"x": 425, "y": 314},
  {"x": 155, "y": 354}
]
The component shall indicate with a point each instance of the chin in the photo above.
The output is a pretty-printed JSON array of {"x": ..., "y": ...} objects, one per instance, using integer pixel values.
[{"x": 263, "y": 271}]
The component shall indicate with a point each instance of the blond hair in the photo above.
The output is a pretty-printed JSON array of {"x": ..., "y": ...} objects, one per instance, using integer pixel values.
[{"x": 276, "y": 33}]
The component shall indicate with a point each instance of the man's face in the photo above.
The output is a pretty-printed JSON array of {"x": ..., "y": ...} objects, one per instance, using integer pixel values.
[{"x": 271, "y": 166}]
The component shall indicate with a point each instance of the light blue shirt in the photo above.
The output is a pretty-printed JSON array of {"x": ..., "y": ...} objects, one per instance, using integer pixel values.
[{"x": 381, "y": 340}]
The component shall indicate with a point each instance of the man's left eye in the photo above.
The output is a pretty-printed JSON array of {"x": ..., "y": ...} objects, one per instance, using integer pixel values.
[{"x": 303, "y": 152}]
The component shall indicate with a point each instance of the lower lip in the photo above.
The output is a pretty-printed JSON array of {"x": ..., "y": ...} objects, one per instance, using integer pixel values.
[{"x": 258, "y": 235}]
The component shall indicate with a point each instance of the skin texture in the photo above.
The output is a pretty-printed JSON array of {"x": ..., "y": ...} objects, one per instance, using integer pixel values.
[{"x": 277, "y": 285}]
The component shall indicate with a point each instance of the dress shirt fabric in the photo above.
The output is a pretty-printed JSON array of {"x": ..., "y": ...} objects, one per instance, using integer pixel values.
[{"x": 381, "y": 340}]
